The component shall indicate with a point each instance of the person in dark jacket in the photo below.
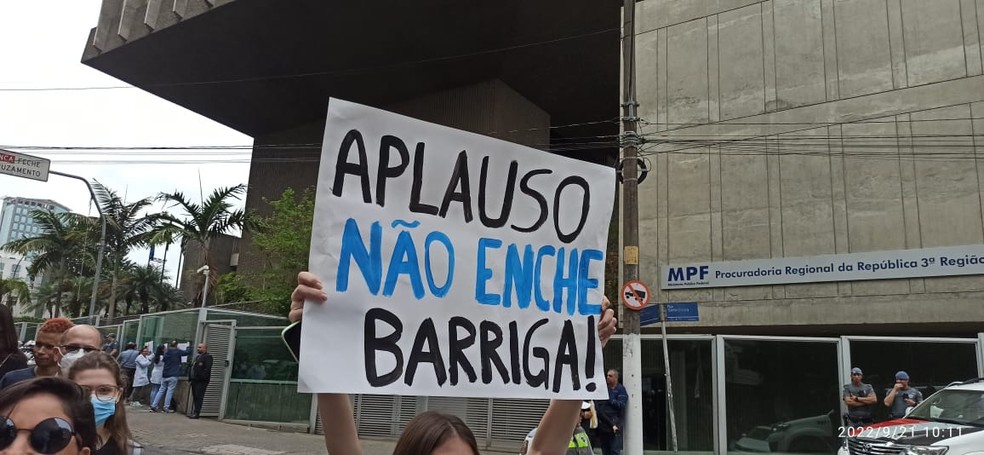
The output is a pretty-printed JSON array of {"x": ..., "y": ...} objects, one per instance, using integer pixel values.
[
  {"x": 201, "y": 374},
  {"x": 611, "y": 415},
  {"x": 172, "y": 369}
]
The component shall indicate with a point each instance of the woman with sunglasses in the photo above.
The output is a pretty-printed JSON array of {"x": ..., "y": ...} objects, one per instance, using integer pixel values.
[
  {"x": 99, "y": 374},
  {"x": 47, "y": 415}
]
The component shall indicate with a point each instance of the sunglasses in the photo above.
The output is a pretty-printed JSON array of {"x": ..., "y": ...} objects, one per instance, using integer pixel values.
[
  {"x": 75, "y": 347},
  {"x": 49, "y": 436}
]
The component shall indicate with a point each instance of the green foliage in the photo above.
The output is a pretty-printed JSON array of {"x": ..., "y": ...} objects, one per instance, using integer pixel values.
[
  {"x": 283, "y": 239},
  {"x": 232, "y": 288}
]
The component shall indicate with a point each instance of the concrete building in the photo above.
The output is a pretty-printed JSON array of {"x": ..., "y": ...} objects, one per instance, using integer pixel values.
[
  {"x": 795, "y": 133},
  {"x": 16, "y": 223},
  {"x": 802, "y": 135},
  {"x": 15, "y": 216}
]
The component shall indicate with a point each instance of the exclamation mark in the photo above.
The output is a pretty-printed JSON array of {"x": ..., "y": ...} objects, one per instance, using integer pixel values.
[{"x": 589, "y": 357}]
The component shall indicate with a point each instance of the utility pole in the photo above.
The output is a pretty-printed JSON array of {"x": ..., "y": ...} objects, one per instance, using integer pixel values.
[
  {"x": 631, "y": 343},
  {"x": 102, "y": 245}
]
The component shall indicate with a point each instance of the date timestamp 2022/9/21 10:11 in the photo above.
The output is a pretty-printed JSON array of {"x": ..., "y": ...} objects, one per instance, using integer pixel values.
[{"x": 900, "y": 431}]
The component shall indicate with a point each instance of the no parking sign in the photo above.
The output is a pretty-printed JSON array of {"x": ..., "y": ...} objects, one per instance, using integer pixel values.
[{"x": 635, "y": 295}]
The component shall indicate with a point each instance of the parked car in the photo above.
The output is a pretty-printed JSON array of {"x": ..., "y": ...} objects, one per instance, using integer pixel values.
[
  {"x": 806, "y": 435},
  {"x": 948, "y": 422}
]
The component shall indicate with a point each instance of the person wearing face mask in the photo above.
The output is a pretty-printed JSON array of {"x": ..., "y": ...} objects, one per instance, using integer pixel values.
[
  {"x": 46, "y": 353},
  {"x": 99, "y": 374},
  {"x": 76, "y": 342}
]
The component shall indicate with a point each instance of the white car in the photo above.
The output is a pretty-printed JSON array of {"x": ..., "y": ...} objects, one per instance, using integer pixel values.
[{"x": 949, "y": 422}]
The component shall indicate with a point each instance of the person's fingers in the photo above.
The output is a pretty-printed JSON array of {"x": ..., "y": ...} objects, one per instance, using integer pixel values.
[
  {"x": 309, "y": 279},
  {"x": 309, "y": 287},
  {"x": 607, "y": 325}
]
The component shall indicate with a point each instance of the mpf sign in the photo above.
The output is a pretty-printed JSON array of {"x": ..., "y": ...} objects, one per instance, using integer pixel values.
[
  {"x": 21, "y": 165},
  {"x": 871, "y": 265},
  {"x": 689, "y": 275}
]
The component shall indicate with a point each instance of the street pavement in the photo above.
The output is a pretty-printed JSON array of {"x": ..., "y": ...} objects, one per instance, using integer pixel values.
[{"x": 176, "y": 434}]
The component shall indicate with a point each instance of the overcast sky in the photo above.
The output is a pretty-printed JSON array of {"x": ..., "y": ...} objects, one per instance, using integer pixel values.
[{"x": 42, "y": 48}]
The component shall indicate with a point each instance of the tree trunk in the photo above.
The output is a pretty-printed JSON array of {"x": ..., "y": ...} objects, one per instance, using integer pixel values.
[{"x": 112, "y": 296}]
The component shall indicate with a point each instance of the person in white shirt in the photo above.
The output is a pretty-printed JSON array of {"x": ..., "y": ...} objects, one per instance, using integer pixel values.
[{"x": 141, "y": 382}]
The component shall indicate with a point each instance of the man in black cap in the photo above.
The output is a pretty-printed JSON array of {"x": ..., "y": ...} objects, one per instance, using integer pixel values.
[
  {"x": 859, "y": 398},
  {"x": 901, "y": 397},
  {"x": 111, "y": 347}
]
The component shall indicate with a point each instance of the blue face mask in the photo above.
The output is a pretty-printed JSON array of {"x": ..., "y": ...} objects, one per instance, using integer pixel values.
[{"x": 104, "y": 410}]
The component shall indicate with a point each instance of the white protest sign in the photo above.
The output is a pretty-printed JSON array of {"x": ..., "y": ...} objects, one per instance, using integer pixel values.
[{"x": 455, "y": 264}]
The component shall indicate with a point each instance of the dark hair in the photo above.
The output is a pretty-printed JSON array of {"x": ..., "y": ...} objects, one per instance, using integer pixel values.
[
  {"x": 75, "y": 403},
  {"x": 8, "y": 336},
  {"x": 119, "y": 431},
  {"x": 131, "y": 345},
  {"x": 159, "y": 353},
  {"x": 429, "y": 430}
]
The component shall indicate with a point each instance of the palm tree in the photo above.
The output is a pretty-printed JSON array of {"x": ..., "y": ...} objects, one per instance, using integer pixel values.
[
  {"x": 140, "y": 284},
  {"x": 79, "y": 291},
  {"x": 200, "y": 223},
  {"x": 126, "y": 228},
  {"x": 62, "y": 249},
  {"x": 45, "y": 298},
  {"x": 166, "y": 297},
  {"x": 13, "y": 290}
]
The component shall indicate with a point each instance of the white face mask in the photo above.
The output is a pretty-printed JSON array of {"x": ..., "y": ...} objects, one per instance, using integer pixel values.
[{"x": 69, "y": 358}]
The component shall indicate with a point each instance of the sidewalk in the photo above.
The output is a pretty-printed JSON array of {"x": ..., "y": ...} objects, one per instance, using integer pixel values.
[{"x": 177, "y": 434}]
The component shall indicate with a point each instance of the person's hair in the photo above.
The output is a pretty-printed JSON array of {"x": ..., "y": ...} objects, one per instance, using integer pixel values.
[
  {"x": 118, "y": 429},
  {"x": 8, "y": 336},
  {"x": 131, "y": 345},
  {"x": 56, "y": 325},
  {"x": 617, "y": 374},
  {"x": 159, "y": 353},
  {"x": 429, "y": 430},
  {"x": 173, "y": 344},
  {"x": 74, "y": 402}
]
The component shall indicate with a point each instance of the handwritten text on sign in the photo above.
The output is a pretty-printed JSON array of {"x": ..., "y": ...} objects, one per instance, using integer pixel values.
[{"x": 455, "y": 264}]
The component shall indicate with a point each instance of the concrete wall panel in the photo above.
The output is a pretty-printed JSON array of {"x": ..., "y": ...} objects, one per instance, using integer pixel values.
[
  {"x": 798, "y": 40},
  {"x": 830, "y": 69},
  {"x": 807, "y": 212},
  {"x": 863, "y": 68},
  {"x": 742, "y": 67},
  {"x": 971, "y": 38},
  {"x": 686, "y": 82},
  {"x": 946, "y": 177},
  {"x": 872, "y": 182},
  {"x": 647, "y": 62},
  {"x": 934, "y": 40},
  {"x": 897, "y": 44}
]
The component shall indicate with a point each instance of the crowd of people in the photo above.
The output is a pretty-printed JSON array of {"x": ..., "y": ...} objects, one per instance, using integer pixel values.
[
  {"x": 78, "y": 387},
  {"x": 73, "y": 399}
]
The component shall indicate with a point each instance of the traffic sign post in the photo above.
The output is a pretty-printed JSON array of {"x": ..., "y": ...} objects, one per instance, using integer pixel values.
[
  {"x": 26, "y": 166},
  {"x": 635, "y": 295},
  {"x": 675, "y": 312}
]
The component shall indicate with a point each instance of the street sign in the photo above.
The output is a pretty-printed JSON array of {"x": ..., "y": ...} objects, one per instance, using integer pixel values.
[
  {"x": 21, "y": 165},
  {"x": 675, "y": 312},
  {"x": 635, "y": 295}
]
